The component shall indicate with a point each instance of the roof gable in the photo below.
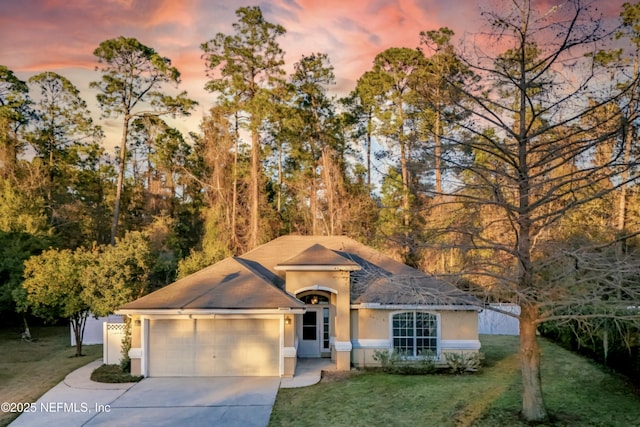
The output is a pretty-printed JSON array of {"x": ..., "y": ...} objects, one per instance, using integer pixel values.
[
  {"x": 228, "y": 284},
  {"x": 317, "y": 257},
  {"x": 379, "y": 278}
]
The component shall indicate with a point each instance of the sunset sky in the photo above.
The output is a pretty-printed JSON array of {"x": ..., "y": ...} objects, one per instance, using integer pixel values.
[{"x": 61, "y": 35}]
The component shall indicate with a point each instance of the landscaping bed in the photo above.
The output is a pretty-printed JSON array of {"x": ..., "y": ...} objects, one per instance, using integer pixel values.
[{"x": 113, "y": 374}]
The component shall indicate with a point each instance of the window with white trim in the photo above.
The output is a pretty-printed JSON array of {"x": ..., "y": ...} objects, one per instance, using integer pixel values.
[{"x": 415, "y": 333}]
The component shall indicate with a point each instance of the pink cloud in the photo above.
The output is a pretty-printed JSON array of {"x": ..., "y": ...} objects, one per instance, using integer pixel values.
[{"x": 43, "y": 35}]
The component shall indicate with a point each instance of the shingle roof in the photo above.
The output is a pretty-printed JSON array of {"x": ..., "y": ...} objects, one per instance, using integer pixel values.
[
  {"x": 228, "y": 284},
  {"x": 380, "y": 278},
  {"x": 318, "y": 256},
  {"x": 256, "y": 279}
]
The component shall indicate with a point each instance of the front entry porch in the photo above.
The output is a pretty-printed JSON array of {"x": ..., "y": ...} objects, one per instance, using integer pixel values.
[
  {"x": 314, "y": 332},
  {"x": 308, "y": 372}
]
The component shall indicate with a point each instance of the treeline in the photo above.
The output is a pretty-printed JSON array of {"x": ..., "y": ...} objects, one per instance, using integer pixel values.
[{"x": 508, "y": 166}]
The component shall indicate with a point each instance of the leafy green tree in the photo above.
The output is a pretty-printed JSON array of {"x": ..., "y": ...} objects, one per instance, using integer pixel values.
[
  {"x": 53, "y": 285},
  {"x": 630, "y": 31},
  {"x": 21, "y": 211},
  {"x": 361, "y": 107},
  {"x": 93, "y": 192},
  {"x": 391, "y": 84},
  {"x": 63, "y": 136},
  {"x": 117, "y": 273},
  {"x": 244, "y": 68},
  {"x": 313, "y": 142},
  {"x": 133, "y": 79},
  {"x": 15, "y": 248},
  {"x": 63, "y": 123},
  {"x": 397, "y": 70},
  {"x": 24, "y": 232},
  {"x": 170, "y": 159},
  {"x": 434, "y": 91},
  {"x": 14, "y": 114}
]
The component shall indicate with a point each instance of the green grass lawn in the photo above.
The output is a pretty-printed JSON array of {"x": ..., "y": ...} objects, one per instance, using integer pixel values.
[
  {"x": 30, "y": 369},
  {"x": 577, "y": 392}
]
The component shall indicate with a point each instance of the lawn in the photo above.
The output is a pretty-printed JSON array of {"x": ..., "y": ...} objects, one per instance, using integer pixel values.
[
  {"x": 29, "y": 369},
  {"x": 577, "y": 391}
]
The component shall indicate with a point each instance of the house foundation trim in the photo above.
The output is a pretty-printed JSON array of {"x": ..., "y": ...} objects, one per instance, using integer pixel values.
[
  {"x": 460, "y": 345},
  {"x": 371, "y": 343},
  {"x": 289, "y": 352},
  {"x": 342, "y": 345},
  {"x": 135, "y": 353}
]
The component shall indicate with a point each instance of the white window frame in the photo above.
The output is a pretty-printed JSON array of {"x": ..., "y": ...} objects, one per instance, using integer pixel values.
[{"x": 438, "y": 331}]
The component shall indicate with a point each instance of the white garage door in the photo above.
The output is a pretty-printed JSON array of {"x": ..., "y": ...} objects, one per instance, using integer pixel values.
[{"x": 220, "y": 347}]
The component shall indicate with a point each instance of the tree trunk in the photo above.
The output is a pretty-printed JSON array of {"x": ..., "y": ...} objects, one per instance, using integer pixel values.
[
  {"x": 404, "y": 168},
  {"x": 533, "y": 408},
  {"x": 254, "y": 223},
  {"x": 234, "y": 197},
  {"x": 313, "y": 202},
  {"x": 120, "y": 183},
  {"x": 26, "y": 335},
  {"x": 78, "y": 322},
  {"x": 369, "y": 140},
  {"x": 438, "y": 153},
  {"x": 627, "y": 140},
  {"x": 329, "y": 188}
]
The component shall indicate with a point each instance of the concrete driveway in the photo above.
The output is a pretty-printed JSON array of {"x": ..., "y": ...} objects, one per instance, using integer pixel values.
[{"x": 219, "y": 401}]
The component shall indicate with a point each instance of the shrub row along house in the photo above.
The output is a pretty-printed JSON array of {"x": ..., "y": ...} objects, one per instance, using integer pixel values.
[{"x": 297, "y": 297}]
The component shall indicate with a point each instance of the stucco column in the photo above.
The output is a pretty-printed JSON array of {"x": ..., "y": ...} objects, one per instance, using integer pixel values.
[
  {"x": 289, "y": 354},
  {"x": 342, "y": 343}
]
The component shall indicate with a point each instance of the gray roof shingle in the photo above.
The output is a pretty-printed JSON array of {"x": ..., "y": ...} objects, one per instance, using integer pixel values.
[{"x": 256, "y": 279}]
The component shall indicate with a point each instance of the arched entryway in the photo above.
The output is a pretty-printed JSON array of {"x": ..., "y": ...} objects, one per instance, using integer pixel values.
[{"x": 314, "y": 331}]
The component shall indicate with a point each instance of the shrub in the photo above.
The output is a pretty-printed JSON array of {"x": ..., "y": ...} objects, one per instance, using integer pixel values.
[
  {"x": 113, "y": 374},
  {"x": 396, "y": 362},
  {"x": 460, "y": 363},
  {"x": 125, "y": 362}
]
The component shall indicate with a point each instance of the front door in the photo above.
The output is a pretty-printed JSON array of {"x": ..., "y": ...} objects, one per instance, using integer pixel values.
[{"x": 314, "y": 332}]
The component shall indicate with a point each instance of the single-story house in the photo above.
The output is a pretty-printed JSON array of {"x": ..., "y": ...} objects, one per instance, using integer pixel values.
[{"x": 297, "y": 297}]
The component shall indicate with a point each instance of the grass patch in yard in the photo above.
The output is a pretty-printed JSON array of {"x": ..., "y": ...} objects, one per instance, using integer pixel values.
[
  {"x": 578, "y": 392},
  {"x": 29, "y": 369},
  {"x": 113, "y": 374}
]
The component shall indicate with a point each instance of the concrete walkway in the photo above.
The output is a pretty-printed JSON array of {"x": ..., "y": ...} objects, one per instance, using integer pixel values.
[
  {"x": 220, "y": 401},
  {"x": 73, "y": 401},
  {"x": 308, "y": 372}
]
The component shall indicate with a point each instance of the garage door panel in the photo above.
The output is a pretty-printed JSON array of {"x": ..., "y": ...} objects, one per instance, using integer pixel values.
[
  {"x": 214, "y": 347},
  {"x": 171, "y": 348}
]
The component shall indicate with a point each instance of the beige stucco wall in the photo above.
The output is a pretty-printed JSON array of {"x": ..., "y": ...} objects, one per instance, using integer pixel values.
[
  {"x": 136, "y": 331},
  {"x": 289, "y": 367},
  {"x": 290, "y": 330},
  {"x": 371, "y": 332},
  {"x": 338, "y": 283},
  {"x": 136, "y": 342},
  {"x": 459, "y": 325},
  {"x": 369, "y": 324}
]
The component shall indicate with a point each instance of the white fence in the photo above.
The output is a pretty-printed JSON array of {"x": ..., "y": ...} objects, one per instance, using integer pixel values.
[
  {"x": 494, "y": 323},
  {"x": 112, "y": 345},
  {"x": 93, "y": 329}
]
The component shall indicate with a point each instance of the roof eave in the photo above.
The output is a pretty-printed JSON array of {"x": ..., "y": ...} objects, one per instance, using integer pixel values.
[
  {"x": 440, "y": 307},
  {"x": 284, "y": 267},
  {"x": 208, "y": 311}
]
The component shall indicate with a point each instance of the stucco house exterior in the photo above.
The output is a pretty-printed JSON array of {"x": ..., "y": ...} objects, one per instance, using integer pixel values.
[{"x": 296, "y": 297}]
